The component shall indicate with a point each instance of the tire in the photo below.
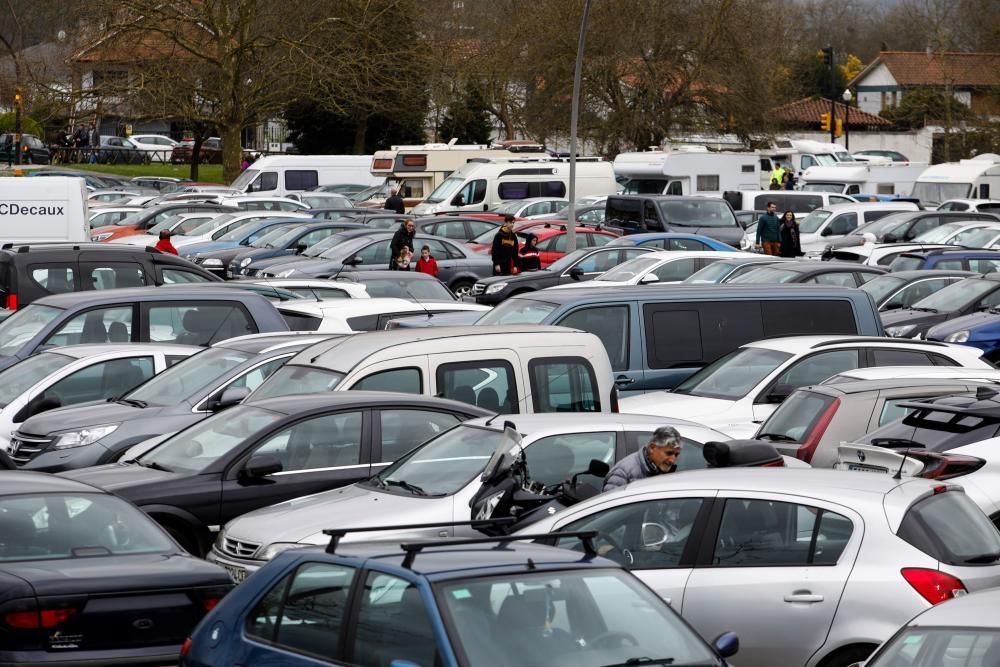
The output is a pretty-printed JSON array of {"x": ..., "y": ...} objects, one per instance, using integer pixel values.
[
  {"x": 848, "y": 655},
  {"x": 462, "y": 288}
]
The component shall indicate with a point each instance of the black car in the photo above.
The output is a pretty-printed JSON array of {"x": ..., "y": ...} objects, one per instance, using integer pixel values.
[
  {"x": 29, "y": 272},
  {"x": 960, "y": 298},
  {"x": 120, "y": 150},
  {"x": 709, "y": 216},
  {"x": 186, "y": 393},
  {"x": 279, "y": 243},
  {"x": 579, "y": 265},
  {"x": 902, "y": 289},
  {"x": 33, "y": 149},
  {"x": 906, "y": 226},
  {"x": 228, "y": 464},
  {"x": 844, "y": 274},
  {"x": 455, "y": 227},
  {"x": 88, "y": 579}
]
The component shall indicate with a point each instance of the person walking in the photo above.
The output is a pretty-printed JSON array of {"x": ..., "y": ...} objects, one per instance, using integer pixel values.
[
  {"x": 427, "y": 264},
  {"x": 658, "y": 457},
  {"x": 530, "y": 258},
  {"x": 395, "y": 202},
  {"x": 95, "y": 143},
  {"x": 788, "y": 182},
  {"x": 164, "y": 244},
  {"x": 768, "y": 234},
  {"x": 504, "y": 250},
  {"x": 403, "y": 238},
  {"x": 788, "y": 232}
]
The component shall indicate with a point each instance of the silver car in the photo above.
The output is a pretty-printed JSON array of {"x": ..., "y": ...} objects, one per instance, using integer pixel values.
[
  {"x": 808, "y": 567},
  {"x": 436, "y": 481}
]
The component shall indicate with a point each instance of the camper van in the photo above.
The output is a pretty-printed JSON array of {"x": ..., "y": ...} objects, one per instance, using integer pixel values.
[
  {"x": 43, "y": 209},
  {"x": 801, "y": 154},
  {"x": 978, "y": 178},
  {"x": 853, "y": 178},
  {"x": 279, "y": 175},
  {"x": 691, "y": 170},
  {"x": 483, "y": 183}
]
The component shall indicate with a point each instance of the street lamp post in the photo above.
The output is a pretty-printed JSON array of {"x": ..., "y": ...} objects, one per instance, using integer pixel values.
[
  {"x": 573, "y": 118},
  {"x": 847, "y": 118},
  {"x": 17, "y": 98}
]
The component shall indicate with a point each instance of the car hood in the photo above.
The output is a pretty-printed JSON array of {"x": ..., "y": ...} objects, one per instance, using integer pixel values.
[
  {"x": 82, "y": 416},
  {"x": 982, "y": 321},
  {"x": 728, "y": 235},
  {"x": 225, "y": 254},
  {"x": 271, "y": 262},
  {"x": 528, "y": 276},
  {"x": 256, "y": 254},
  {"x": 310, "y": 267},
  {"x": 304, "y": 519},
  {"x": 682, "y": 406},
  {"x": 904, "y": 316},
  {"x": 209, "y": 246},
  {"x": 117, "y": 476}
]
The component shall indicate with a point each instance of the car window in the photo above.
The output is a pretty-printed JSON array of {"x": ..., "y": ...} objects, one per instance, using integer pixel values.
[
  {"x": 949, "y": 527},
  {"x": 202, "y": 324},
  {"x": 556, "y": 458},
  {"x": 488, "y": 384},
  {"x": 918, "y": 646},
  {"x": 375, "y": 254},
  {"x": 403, "y": 429},
  {"x": 55, "y": 279},
  {"x": 842, "y": 224},
  {"x": 818, "y": 367},
  {"x": 565, "y": 384},
  {"x": 914, "y": 292},
  {"x": 478, "y": 228},
  {"x": 610, "y": 324},
  {"x": 674, "y": 271},
  {"x": 691, "y": 456},
  {"x": 100, "y": 325},
  {"x": 330, "y": 441},
  {"x": 891, "y": 410},
  {"x": 266, "y": 181},
  {"x": 889, "y": 357},
  {"x": 596, "y": 240},
  {"x": 553, "y": 244},
  {"x": 757, "y": 532},
  {"x": 686, "y": 244},
  {"x": 101, "y": 381},
  {"x": 405, "y": 380},
  {"x": 180, "y": 276},
  {"x": 112, "y": 276},
  {"x": 841, "y": 278},
  {"x": 656, "y": 243},
  {"x": 452, "y": 230},
  {"x": 392, "y": 625},
  {"x": 304, "y": 612},
  {"x": 598, "y": 262},
  {"x": 984, "y": 265},
  {"x": 950, "y": 264},
  {"x": 301, "y": 179},
  {"x": 255, "y": 377},
  {"x": 648, "y": 535},
  {"x": 922, "y": 225}
]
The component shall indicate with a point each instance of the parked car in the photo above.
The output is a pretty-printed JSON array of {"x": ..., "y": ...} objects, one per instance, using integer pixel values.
[
  {"x": 33, "y": 150},
  {"x": 550, "y": 239},
  {"x": 170, "y": 314},
  {"x": 906, "y": 226},
  {"x": 394, "y": 284},
  {"x": 120, "y": 150},
  {"x": 142, "y": 220},
  {"x": 278, "y": 243},
  {"x": 845, "y": 274},
  {"x": 209, "y": 153},
  {"x": 980, "y": 330},
  {"x": 157, "y": 147},
  {"x": 160, "y": 183},
  {"x": 903, "y": 289},
  {"x": 111, "y": 195},
  {"x": 213, "y": 229},
  {"x": 81, "y": 569},
  {"x": 979, "y": 261},
  {"x": 967, "y": 296},
  {"x": 457, "y": 228},
  {"x": 436, "y": 481},
  {"x": 725, "y": 270},
  {"x": 274, "y": 204},
  {"x": 965, "y": 233},
  {"x": 708, "y": 216},
  {"x": 314, "y": 199},
  {"x": 214, "y": 255},
  {"x": 986, "y": 205},
  {"x": 316, "y": 290},
  {"x": 580, "y": 265},
  {"x": 825, "y": 225},
  {"x": 661, "y": 267},
  {"x": 878, "y": 254},
  {"x": 185, "y": 393},
  {"x": 880, "y": 549},
  {"x": 178, "y": 225},
  {"x": 349, "y": 316},
  {"x": 263, "y": 267},
  {"x": 589, "y": 214},
  {"x": 531, "y": 207},
  {"x": 747, "y": 385},
  {"x": 673, "y": 241}
]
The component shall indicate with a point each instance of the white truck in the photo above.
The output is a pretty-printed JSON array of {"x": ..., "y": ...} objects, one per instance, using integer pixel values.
[
  {"x": 279, "y": 175},
  {"x": 691, "y": 170},
  {"x": 978, "y": 178},
  {"x": 800, "y": 154},
  {"x": 853, "y": 178},
  {"x": 36, "y": 210}
]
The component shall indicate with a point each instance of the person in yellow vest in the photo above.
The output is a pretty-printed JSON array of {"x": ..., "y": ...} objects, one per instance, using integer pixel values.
[{"x": 778, "y": 173}]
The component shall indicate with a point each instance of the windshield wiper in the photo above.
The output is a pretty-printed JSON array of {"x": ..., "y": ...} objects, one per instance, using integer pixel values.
[
  {"x": 925, "y": 309},
  {"x": 403, "y": 484},
  {"x": 984, "y": 558},
  {"x": 892, "y": 443},
  {"x": 777, "y": 436},
  {"x": 149, "y": 464},
  {"x": 134, "y": 402},
  {"x": 643, "y": 661}
]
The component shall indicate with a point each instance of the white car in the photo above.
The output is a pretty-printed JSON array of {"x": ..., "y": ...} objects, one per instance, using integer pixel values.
[
  {"x": 220, "y": 225},
  {"x": 881, "y": 254},
  {"x": 273, "y": 204},
  {"x": 929, "y": 372},
  {"x": 664, "y": 266},
  {"x": 956, "y": 233},
  {"x": 157, "y": 146},
  {"x": 533, "y": 207},
  {"x": 747, "y": 384},
  {"x": 353, "y": 315},
  {"x": 987, "y": 205},
  {"x": 316, "y": 288},
  {"x": 831, "y": 223},
  {"x": 109, "y": 215},
  {"x": 178, "y": 225}
]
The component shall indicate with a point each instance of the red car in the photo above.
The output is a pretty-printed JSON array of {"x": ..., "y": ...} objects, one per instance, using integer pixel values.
[{"x": 550, "y": 239}]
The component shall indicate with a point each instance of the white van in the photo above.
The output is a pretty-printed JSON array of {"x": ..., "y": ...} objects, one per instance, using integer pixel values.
[
  {"x": 483, "y": 183},
  {"x": 692, "y": 170},
  {"x": 800, "y": 203},
  {"x": 278, "y": 175},
  {"x": 823, "y": 225},
  {"x": 853, "y": 178},
  {"x": 978, "y": 178},
  {"x": 800, "y": 154},
  {"x": 509, "y": 369},
  {"x": 43, "y": 209}
]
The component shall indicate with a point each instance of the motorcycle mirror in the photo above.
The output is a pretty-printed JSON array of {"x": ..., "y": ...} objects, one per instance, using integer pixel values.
[{"x": 598, "y": 468}]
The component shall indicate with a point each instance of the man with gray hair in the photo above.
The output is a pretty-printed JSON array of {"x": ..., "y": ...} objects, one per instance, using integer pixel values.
[{"x": 658, "y": 457}]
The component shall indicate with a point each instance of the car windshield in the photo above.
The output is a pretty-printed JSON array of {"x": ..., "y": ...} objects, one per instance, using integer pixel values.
[
  {"x": 166, "y": 224},
  {"x": 698, "y": 213},
  {"x": 449, "y": 187},
  {"x": 444, "y": 465},
  {"x": 245, "y": 179},
  {"x": 181, "y": 381},
  {"x": 923, "y": 646},
  {"x": 506, "y": 207},
  {"x": 977, "y": 237},
  {"x": 823, "y": 187},
  {"x": 133, "y": 219},
  {"x": 367, "y": 193},
  {"x": 76, "y": 525},
  {"x": 22, "y": 376},
  {"x": 767, "y": 275},
  {"x": 276, "y": 238},
  {"x": 941, "y": 234},
  {"x": 411, "y": 290},
  {"x": 24, "y": 325},
  {"x": 932, "y": 194},
  {"x": 882, "y": 286},
  {"x": 712, "y": 274},
  {"x": 319, "y": 248},
  {"x": 812, "y": 222},
  {"x": 559, "y": 619},
  {"x": 957, "y": 296},
  {"x": 197, "y": 447},
  {"x": 566, "y": 261},
  {"x": 207, "y": 227},
  {"x": 237, "y": 232},
  {"x": 795, "y": 417},
  {"x": 342, "y": 250},
  {"x": 628, "y": 270},
  {"x": 733, "y": 376},
  {"x": 313, "y": 201},
  {"x": 518, "y": 311},
  {"x": 486, "y": 237},
  {"x": 883, "y": 225},
  {"x": 298, "y": 380}
]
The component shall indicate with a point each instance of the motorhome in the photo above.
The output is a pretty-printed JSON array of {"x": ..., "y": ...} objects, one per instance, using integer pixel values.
[
  {"x": 279, "y": 175},
  {"x": 483, "y": 183},
  {"x": 853, "y": 178},
  {"x": 801, "y": 154},
  {"x": 43, "y": 209},
  {"x": 690, "y": 170},
  {"x": 975, "y": 178}
]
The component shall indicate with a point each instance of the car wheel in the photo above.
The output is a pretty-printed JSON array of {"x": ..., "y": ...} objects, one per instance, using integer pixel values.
[
  {"x": 462, "y": 288},
  {"x": 848, "y": 656}
]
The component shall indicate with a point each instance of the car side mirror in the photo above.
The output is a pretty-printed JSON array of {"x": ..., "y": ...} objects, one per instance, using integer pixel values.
[
  {"x": 354, "y": 261},
  {"x": 229, "y": 398},
  {"x": 828, "y": 231},
  {"x": 648, "y": 279},
  {"x": 262, "y": 465},
  {"x": 727, "y": 644},
  {"x": 779, "y": 393},
  {"x": 300, "y": 248},
  {"x": 36, "y": 406},
  {"x": 889, "y": 238},
  {"x": 576, "y": 273}
]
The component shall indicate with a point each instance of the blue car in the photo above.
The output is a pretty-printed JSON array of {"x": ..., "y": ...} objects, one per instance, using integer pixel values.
[
  {"x": 673, "y": 241},
  {"x": 963, "y": 259},
  {"x": 980, "y": 330},
  {"x": 478, "y": 602},
  {"x": 235, "y": 239}
]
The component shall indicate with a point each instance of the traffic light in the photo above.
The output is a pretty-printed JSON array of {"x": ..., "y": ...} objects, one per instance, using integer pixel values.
[
  {"x": 839, "y": 128},
  {"x": 828, "y": 56},
  {"x": 18, "y": 97},
  {"x": 824, "y": 121}
]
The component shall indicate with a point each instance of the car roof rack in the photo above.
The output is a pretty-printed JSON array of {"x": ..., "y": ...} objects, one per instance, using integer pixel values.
[
  {"x": 880, "y": 339},
  {"x": 586, "y": 537},
  {"x": 336, "y": 533}
]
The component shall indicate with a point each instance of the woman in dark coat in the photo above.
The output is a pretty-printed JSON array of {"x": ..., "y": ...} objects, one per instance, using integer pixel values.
[
  {"x": 788, "y": 232},
  {"x": 530, "y": 259}
]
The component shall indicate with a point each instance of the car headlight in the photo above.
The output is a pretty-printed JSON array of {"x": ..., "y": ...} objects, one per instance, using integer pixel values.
[
  {"x": 85, "y": 436},
  {"x": 900, "y": 331},
  {"x": 957, "y": 337},
  {"x": 245, "y": 261},
  {"x": 212, "y": 262},
  {"x": 101, "y": 237},
  {"x": 496, "y": 287},
  {"x": 272, "y": 550}
]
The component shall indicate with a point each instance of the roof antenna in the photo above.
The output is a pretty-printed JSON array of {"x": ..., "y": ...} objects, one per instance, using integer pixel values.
[{"x": 899, "y": 473}]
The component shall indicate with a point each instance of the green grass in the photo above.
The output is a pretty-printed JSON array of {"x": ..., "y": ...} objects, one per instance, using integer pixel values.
[{"x": 210, "y": 173}]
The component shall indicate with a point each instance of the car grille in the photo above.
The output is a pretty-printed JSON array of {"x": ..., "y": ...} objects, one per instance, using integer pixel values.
[
  {"x": 25, "y": 447},
  {"x": 478, "y": 289},
  {"x": 238, "y": 548}
]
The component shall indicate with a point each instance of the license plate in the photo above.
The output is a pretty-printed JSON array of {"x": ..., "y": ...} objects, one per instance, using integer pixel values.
[
  {"x": 860, "y": 467},
  {"x": 237, "y": 574}
]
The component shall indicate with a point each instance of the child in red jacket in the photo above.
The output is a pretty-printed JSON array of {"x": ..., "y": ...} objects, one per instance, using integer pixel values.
[{"x": 426, "y": 263}]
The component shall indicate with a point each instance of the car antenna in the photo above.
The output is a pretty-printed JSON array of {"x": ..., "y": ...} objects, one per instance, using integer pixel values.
[
  {"x": 899, "y": 472},
  {"x": 273, "y": 288},
  {"x": 417, "y": 301}
]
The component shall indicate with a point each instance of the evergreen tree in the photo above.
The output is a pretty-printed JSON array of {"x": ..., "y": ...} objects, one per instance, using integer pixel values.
[{"x": 467, "y": 118}]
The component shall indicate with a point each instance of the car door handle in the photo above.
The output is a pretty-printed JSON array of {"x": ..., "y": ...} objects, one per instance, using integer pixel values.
[
  {"x": 803, "y": 596},
  {"x": 623, "y": 380}
]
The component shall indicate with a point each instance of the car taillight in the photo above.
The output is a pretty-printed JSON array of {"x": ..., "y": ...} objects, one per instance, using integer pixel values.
[
  {"x": 808, "y": 448},
  {"x": 10, "y": 303},
  {"x": 945, "y": 466},
  {"x": 209, "y": 603},
  {"x": 185, "y": 647},
  {"x": 780, "y": 463},
  {"x": 38, "y": 619},
  {"x": 934, "y": 586}
]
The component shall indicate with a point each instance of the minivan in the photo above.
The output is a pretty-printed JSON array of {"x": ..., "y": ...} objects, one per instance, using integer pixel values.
[
  {"x": 512, "y": 369},
  {"x": 800, "y": 203},
  {"x": 709, "y": 216},
  {"x": 657, "y": 337}
]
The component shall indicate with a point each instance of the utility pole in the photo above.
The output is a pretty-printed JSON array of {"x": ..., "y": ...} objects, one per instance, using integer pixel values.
[
  {"x": 828, "y": 59},
  {"x": 573, "y": 118}
]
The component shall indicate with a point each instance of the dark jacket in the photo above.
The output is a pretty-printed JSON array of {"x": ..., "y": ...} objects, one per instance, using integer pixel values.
[
  {"x": 399, "y": 239},
  {"x": 767, "y": 228},
  {"x": 632, "y": 467},
  {"x": 530, "y": 259},
  {"x": 790, "y": 246},
  {"x": 395, "y": 203},
  {"x": 504, "y": 251}
]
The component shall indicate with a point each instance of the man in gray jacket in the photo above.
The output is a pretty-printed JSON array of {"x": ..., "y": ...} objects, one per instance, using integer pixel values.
[{"x": 658, "y": 457}]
